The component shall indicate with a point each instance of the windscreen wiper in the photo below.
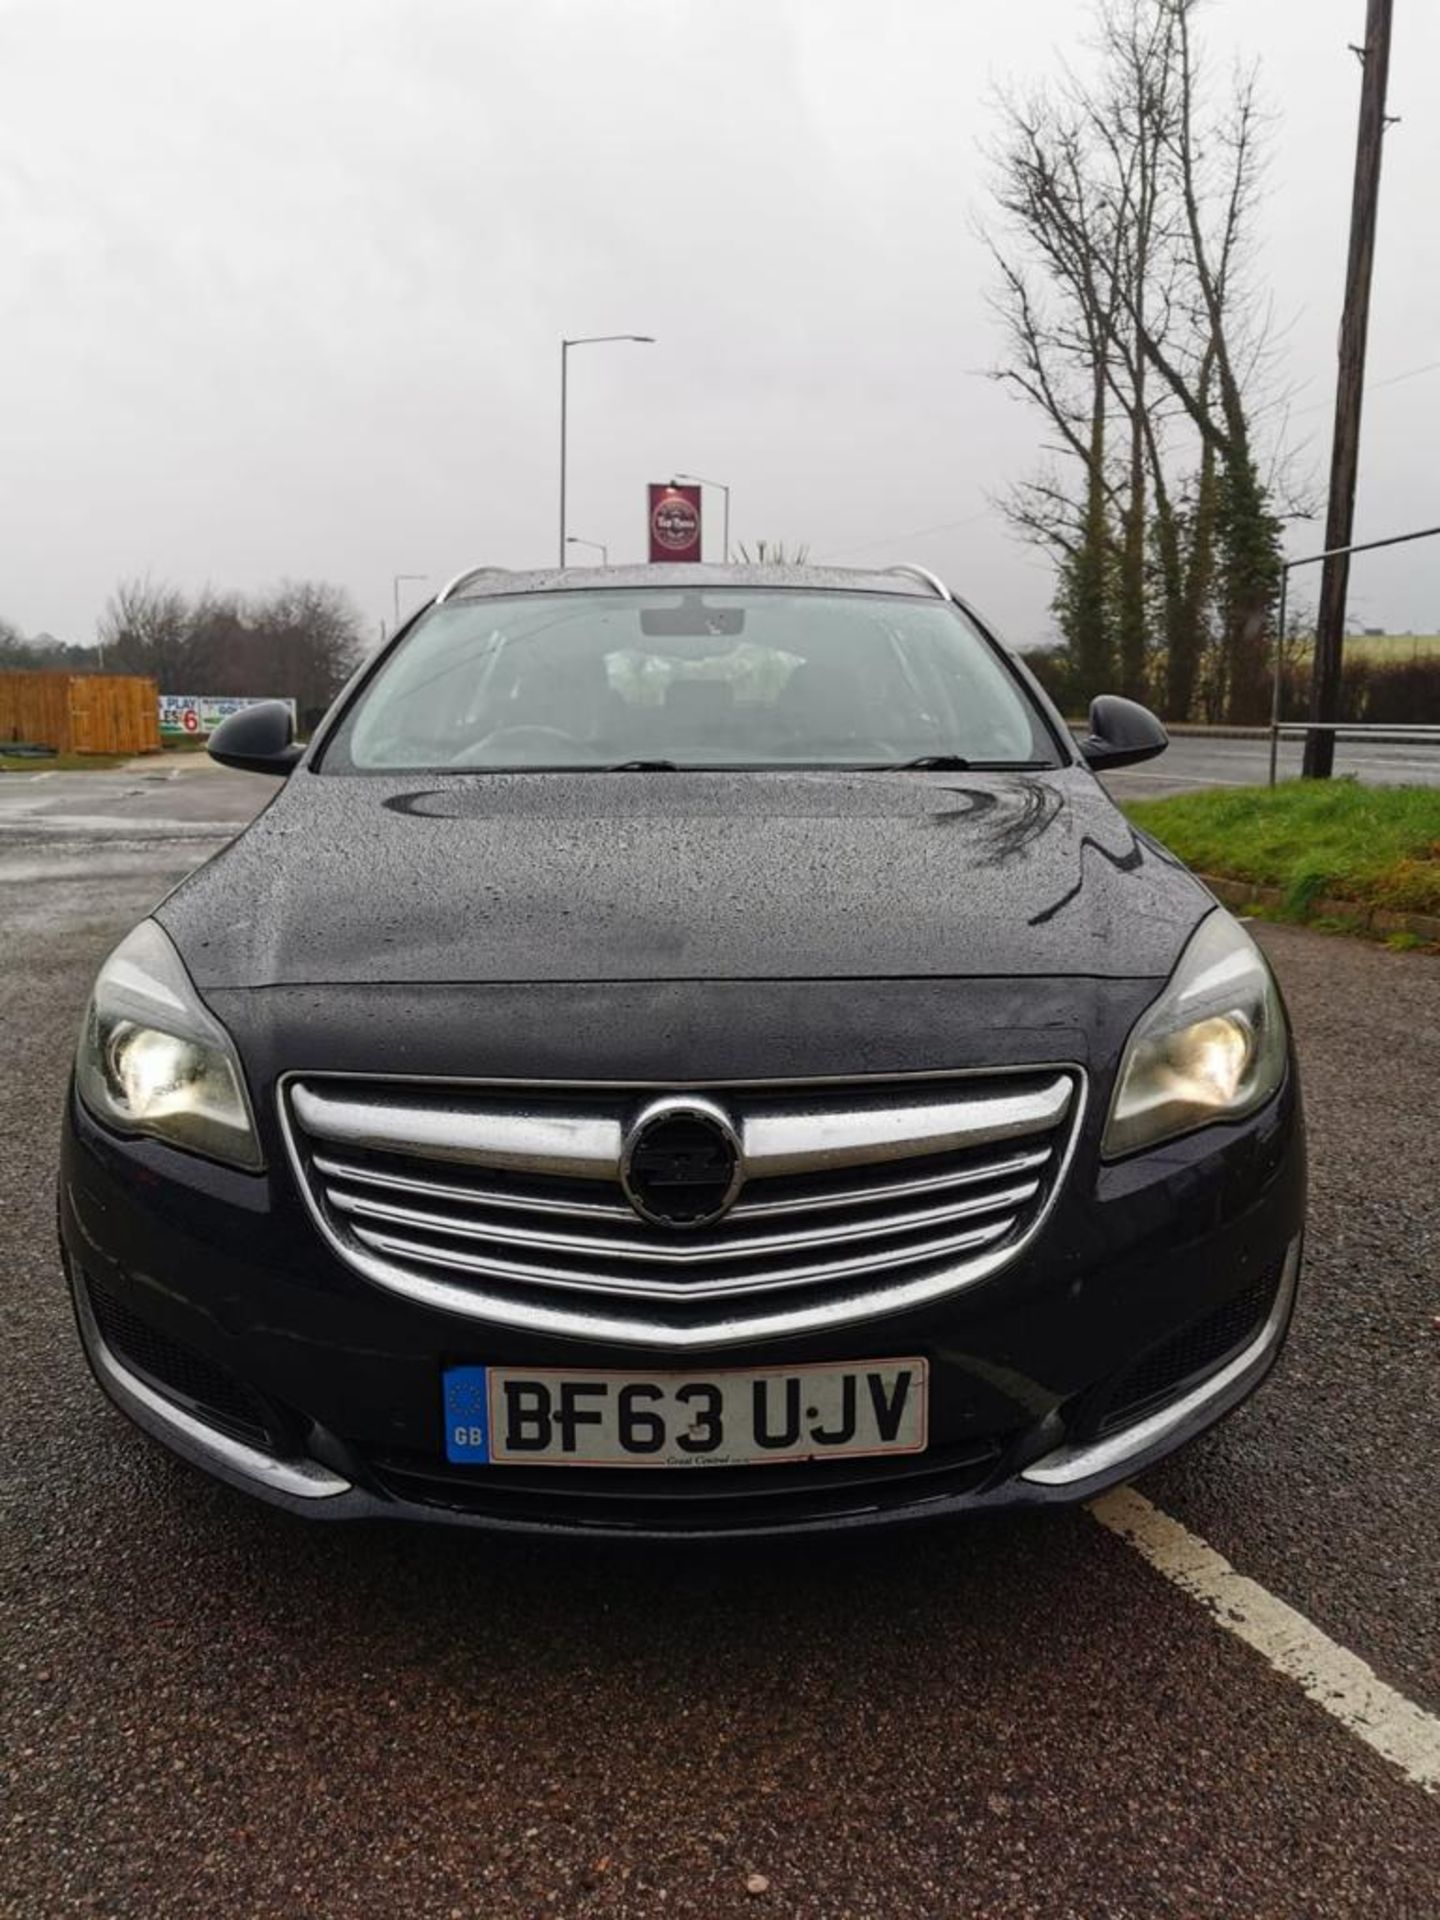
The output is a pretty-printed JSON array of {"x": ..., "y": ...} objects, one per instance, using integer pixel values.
[
  {"x": 643, "y": 766},
  {"x": 952, "y": 763}
]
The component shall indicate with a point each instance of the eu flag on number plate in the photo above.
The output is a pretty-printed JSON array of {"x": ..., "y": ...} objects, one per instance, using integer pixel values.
[{"x": 467, "y": 1416}]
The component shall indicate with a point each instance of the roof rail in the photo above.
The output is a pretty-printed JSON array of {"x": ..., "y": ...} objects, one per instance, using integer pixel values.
[
  {"x": 462, "y": 579},
  {"x": 925, "y": 576}
]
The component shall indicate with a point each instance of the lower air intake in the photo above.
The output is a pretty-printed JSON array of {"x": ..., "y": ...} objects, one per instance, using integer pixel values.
[
  {"x": 1186, "y": 1356},
  {"x": 178, "y": 1370}
]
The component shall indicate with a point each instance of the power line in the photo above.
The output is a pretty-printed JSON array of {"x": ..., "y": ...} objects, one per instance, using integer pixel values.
[
  {"x": 1431, "y": 366},
  {"x": 985, "y": 513},
  {"x": 953, "y": 526},
  {"x": 914, "y": 533},
  {"x": 1372, "y": 386}
]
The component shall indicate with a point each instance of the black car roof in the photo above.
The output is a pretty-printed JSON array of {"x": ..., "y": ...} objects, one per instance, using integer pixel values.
[{"x": 487, "y": 582}]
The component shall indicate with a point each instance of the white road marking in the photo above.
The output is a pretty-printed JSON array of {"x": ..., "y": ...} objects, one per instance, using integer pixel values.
[{"x": 1336, "y": 1679}]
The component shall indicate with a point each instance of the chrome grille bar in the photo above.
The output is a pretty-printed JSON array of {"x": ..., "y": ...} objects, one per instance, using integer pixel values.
[
  {"x": 898, "y": 1189},
  {"x": 534, "y": 1142},
  {"x": 357, "y": 1173},
  {"x": 815, "y": 1137},
  {"x": 507, "y": 1204},
  {"x": 587, "y": 1281},
  {"x": 797, "y": 1138},
  {"x": 693, "y": 1249}
]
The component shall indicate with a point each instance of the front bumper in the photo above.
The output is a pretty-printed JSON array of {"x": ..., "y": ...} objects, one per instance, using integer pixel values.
[{"x": 1168, "y": 1278}]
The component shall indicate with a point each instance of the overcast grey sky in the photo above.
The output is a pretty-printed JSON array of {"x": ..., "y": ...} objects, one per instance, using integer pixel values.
[{"x": 283, "y": 283}]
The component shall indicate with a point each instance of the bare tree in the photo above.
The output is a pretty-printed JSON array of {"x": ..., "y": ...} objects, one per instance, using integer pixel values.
[
  {"x": 219, "y": 654},
  {"x": 1132, "y": 327},
  {"x": 308, "y": 636},
  {"x": 145, "y": 629},
  {"x": 1131, "y": 129},
  {"x": 1217, "y": 165},
  {"x": 1057, "y": 302},
  {"x": 300, "y": 640}
]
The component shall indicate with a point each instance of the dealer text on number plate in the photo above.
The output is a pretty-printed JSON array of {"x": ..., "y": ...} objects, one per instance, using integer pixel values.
[{"x": 512, "y": 1416}]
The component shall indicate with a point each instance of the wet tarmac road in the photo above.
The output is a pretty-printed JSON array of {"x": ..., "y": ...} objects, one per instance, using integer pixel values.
[
  {"x": 1193, "y": 761},
  {"x": 210, "y": 1708}
]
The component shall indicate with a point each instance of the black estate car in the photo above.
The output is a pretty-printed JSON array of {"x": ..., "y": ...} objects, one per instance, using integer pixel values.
[{"x": 687, "y": 1050}]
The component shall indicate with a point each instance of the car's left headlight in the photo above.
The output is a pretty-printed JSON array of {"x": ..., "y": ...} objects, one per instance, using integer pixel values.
[
  {"x": 152, "y": 1059},
  {"x": 1212, "y": 1047}
]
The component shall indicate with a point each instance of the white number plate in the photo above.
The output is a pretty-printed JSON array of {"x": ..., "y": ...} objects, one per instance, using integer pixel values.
[{"x": 726, "y": 1417}]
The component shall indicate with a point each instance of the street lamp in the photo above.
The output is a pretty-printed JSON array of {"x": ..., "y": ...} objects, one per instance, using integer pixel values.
[
  {"x": 395, "y": 584},
  {"x": 585, "y": 340},
  {"x": 574, "y": 540},
  {"x": 699, "y": 480}
]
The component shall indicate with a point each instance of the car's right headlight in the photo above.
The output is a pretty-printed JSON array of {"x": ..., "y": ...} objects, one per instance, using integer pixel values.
[
  {"x": 1212, "y": 1047},
  {"x": 152, "y": 1059}
]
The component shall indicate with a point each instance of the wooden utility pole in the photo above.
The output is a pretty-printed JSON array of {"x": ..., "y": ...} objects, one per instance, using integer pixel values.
[{"x": 1345, "y": 448}]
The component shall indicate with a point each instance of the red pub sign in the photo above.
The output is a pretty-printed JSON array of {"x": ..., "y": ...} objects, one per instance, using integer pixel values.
[{"x": 674, "y": 521}]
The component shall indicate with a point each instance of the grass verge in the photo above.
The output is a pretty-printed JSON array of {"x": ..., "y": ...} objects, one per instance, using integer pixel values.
[
  {"x": 61, "y": 762},
  {"x": 1314, "y": 839}
]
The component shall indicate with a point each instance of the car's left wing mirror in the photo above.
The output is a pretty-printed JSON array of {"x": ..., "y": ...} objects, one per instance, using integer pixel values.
[
  {"x": 258, "y": 739},
  {"x": 1121, "y": 732}
]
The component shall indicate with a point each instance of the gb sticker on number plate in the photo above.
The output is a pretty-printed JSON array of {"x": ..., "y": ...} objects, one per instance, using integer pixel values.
[
  {"x": 467, "y": 1416},
  {"x": 509, "y": 1416}
]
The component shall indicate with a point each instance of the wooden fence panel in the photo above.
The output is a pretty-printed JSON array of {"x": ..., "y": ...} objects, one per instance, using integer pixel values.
[
  {"x": 35, "y": 707},
  {"x": 81, "y": 712}
]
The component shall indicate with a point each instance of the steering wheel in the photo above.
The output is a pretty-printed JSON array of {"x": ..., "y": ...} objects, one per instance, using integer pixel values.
[{"x": 520, "y": 737}]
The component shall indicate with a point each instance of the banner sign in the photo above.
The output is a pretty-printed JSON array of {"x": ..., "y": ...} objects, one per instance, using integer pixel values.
[
  {"x": 674, "y": 521},
  {"x": 191, "y": 716}
]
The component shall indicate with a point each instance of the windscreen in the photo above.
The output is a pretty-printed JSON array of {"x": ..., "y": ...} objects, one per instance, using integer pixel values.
[{"x": 749, "y": 678}]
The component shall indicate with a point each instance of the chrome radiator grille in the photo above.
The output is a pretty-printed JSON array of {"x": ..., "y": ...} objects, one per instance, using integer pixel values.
[{"x": 529, "y": 1206}]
